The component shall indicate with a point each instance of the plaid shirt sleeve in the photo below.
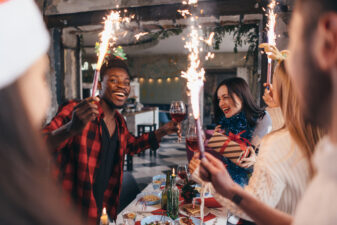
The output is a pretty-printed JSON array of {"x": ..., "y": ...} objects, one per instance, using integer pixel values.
[
  {"x": 139, "y": 144},
  {"x": 63, "y": 116},
  {"x": 136, "y": 145}
]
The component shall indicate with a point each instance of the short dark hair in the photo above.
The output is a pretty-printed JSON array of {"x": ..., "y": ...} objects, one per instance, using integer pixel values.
[
  {"x": 311, "y": 11},
  {"x": 115, "y": 63},
  {"x": 240, "y": 87}
]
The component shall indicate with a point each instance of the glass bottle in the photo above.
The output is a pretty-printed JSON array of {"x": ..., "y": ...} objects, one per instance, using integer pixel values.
[
  {"x": 164, "y": 192},
  {"x": 173, "y": 198}
]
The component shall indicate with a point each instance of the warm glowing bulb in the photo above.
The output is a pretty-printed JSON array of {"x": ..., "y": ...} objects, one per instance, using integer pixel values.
[
  {"x": 168, "y": 80},
  {"x": 150, "y": 80},
  {"x": 160, "y": 80},
  {"x": 176, "y": 78},
  {"x": 141, "y": 79}
]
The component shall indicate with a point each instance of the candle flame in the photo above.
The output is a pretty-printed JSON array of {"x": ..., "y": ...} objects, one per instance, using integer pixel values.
[
  {"x": 173, "y": 172},
  {"x": 104, "y": 211}
]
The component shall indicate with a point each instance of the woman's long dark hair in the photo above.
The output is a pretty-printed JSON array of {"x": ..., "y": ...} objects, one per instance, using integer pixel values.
[
  {"x": 28, "y": 193},
  {"x": 240, "y": 87}
]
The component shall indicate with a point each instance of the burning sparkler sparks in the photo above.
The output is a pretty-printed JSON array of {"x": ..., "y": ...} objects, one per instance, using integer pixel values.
[
  {"x": 138, "y": 36},
  {"x": 112, "y": 30},
  {"x": 271, "y": 34},
  {"x": 195, "y": 74},
  {"x": 184, "y": 12}
]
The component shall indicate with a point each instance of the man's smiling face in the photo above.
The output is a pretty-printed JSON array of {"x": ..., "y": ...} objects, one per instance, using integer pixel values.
[{"x": 115, "y": 87}]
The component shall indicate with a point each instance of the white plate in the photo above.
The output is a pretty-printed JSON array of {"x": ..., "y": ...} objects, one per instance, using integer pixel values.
[
  {"x": 182, "y": 212},
  {"x": 150, "y": 193},
  {"x": 150, "y": 219}
]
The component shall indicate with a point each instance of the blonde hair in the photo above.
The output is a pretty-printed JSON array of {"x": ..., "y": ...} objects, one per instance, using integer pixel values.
[{"x": 305, "y": 134}]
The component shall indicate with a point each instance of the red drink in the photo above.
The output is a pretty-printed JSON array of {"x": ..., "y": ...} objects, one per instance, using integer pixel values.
[
  {"x": 178, "y": 117},
  {"x": 192, "y": 144},
  {"x": 182, "y": 175}
]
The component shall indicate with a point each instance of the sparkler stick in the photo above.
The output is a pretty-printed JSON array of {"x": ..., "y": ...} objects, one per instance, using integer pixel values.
[{"x": 271, "y": 35}]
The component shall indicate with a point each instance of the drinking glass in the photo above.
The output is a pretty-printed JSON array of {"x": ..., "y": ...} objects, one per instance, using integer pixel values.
[
  {"x": 183, "y": 172},
  {"x": 192, "y": 138},
  {"x": 178, "y": 114}
]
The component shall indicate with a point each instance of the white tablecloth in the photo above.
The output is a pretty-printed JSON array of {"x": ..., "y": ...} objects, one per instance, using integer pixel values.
[{"x": 221, "y": 214}]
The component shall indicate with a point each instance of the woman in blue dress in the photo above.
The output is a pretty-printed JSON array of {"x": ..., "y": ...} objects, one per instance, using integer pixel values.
[{"x": 236, "y": 111}]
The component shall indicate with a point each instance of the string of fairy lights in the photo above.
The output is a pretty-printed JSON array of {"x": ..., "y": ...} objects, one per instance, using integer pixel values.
[{"x": 158, "y": 80}]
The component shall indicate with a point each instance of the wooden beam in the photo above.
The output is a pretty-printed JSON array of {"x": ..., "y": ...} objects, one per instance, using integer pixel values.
[{"x": 158, "y": 12}]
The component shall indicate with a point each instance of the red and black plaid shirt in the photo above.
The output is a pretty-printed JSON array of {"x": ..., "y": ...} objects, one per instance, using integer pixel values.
[{"x": 78, "y": 158}]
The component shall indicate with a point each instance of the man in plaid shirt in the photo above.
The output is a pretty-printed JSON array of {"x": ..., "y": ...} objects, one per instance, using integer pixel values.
[{"x": 90, "y": 139}]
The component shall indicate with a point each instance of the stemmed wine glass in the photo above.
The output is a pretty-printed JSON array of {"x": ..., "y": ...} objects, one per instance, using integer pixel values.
[
  {"x": 192, "y": 138},
  {"x": 178, "y": 114},
  {"x": 182, "y": 172}
]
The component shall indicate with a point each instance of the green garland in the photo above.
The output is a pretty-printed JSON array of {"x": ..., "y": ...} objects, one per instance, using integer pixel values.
[{"x": 242, "y": 34}]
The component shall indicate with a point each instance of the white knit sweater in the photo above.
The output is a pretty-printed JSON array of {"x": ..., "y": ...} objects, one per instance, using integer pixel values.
[{"x": 280, "y": 176}]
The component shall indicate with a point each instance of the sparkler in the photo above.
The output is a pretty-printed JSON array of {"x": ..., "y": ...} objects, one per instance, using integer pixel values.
[
  {"x": 195, "y": 74},
  {"x": 271, "y": 34},
  {"x": 138, "y": 36},
  {"x": 112, "y": 26}
]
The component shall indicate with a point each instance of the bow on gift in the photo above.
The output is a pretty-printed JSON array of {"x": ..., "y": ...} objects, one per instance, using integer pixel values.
[{"x": 243, "y": 142}]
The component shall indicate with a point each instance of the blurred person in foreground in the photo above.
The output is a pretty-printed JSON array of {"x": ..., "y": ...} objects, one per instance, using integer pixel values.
[
  {"x": 283, "y": 168},
  {"x": 90, "y": 140},
  {"x": 313, "y": 68},
  {"x": 29, "y": 195}
]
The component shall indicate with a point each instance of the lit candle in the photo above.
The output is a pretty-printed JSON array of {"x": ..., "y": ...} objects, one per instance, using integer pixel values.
[
  {"x": 173, "y": 173},
  {"x": 104, "y": 217}
]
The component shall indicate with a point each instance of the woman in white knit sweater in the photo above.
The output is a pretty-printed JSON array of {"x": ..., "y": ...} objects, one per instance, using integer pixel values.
[{"x": 283, "y": 168}]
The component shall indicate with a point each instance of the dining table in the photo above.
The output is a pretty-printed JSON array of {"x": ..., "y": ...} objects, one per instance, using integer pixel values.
[{"x": 217, "y": 214}]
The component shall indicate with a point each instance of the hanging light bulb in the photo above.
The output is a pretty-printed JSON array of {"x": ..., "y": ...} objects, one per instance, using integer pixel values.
[
  {"x": 160, "y": 80},
  {"x": 168, "y": 80},
  {"x": 150, "y": 80}
]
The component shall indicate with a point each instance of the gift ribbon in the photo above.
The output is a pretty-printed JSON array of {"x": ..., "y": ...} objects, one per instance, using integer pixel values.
[{"x": 243, "y": 142}]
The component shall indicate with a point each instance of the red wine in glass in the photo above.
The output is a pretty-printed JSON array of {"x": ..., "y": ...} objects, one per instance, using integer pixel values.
[
  {"x": 178, "y": 117},
  {"x": 178, "y": 114},
  {"x": 192, "y": 144},
  {"x": 182, "y": 175}
]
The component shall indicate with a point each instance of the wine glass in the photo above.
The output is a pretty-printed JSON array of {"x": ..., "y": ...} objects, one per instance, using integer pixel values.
[
  {"x": 182, "y": 172},
  {"x": 192, "y": 138},
  {"x": 178, "y": 114}
]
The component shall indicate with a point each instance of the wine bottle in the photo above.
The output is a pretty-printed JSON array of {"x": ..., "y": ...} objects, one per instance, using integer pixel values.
[
  {"x": 164, "y": 192},
  {"x": 173, "y": 198}
]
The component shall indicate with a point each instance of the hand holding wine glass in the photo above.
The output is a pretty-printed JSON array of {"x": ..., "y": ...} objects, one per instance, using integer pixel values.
[{"x": 178, "y": 114}]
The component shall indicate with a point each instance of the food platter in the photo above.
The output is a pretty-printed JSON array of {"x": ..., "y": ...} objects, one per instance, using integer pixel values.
[{"x": 149, "y": 198}]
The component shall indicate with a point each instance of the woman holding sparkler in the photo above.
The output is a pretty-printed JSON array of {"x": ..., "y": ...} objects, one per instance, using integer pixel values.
[
  {"x": 29, "y": 195},
  {"x": 283, "y": 166},
  {"x": 235, "y": 112}
]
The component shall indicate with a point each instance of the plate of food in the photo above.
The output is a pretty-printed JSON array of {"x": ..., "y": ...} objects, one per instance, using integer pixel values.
[
  {"x": 189, "y": 221},
  {"x": 157, "y": 220},
  {"x": 190, "y": 210},
  {"x": 149, "y": 198},
  {"x": 158, "y": 181}
]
